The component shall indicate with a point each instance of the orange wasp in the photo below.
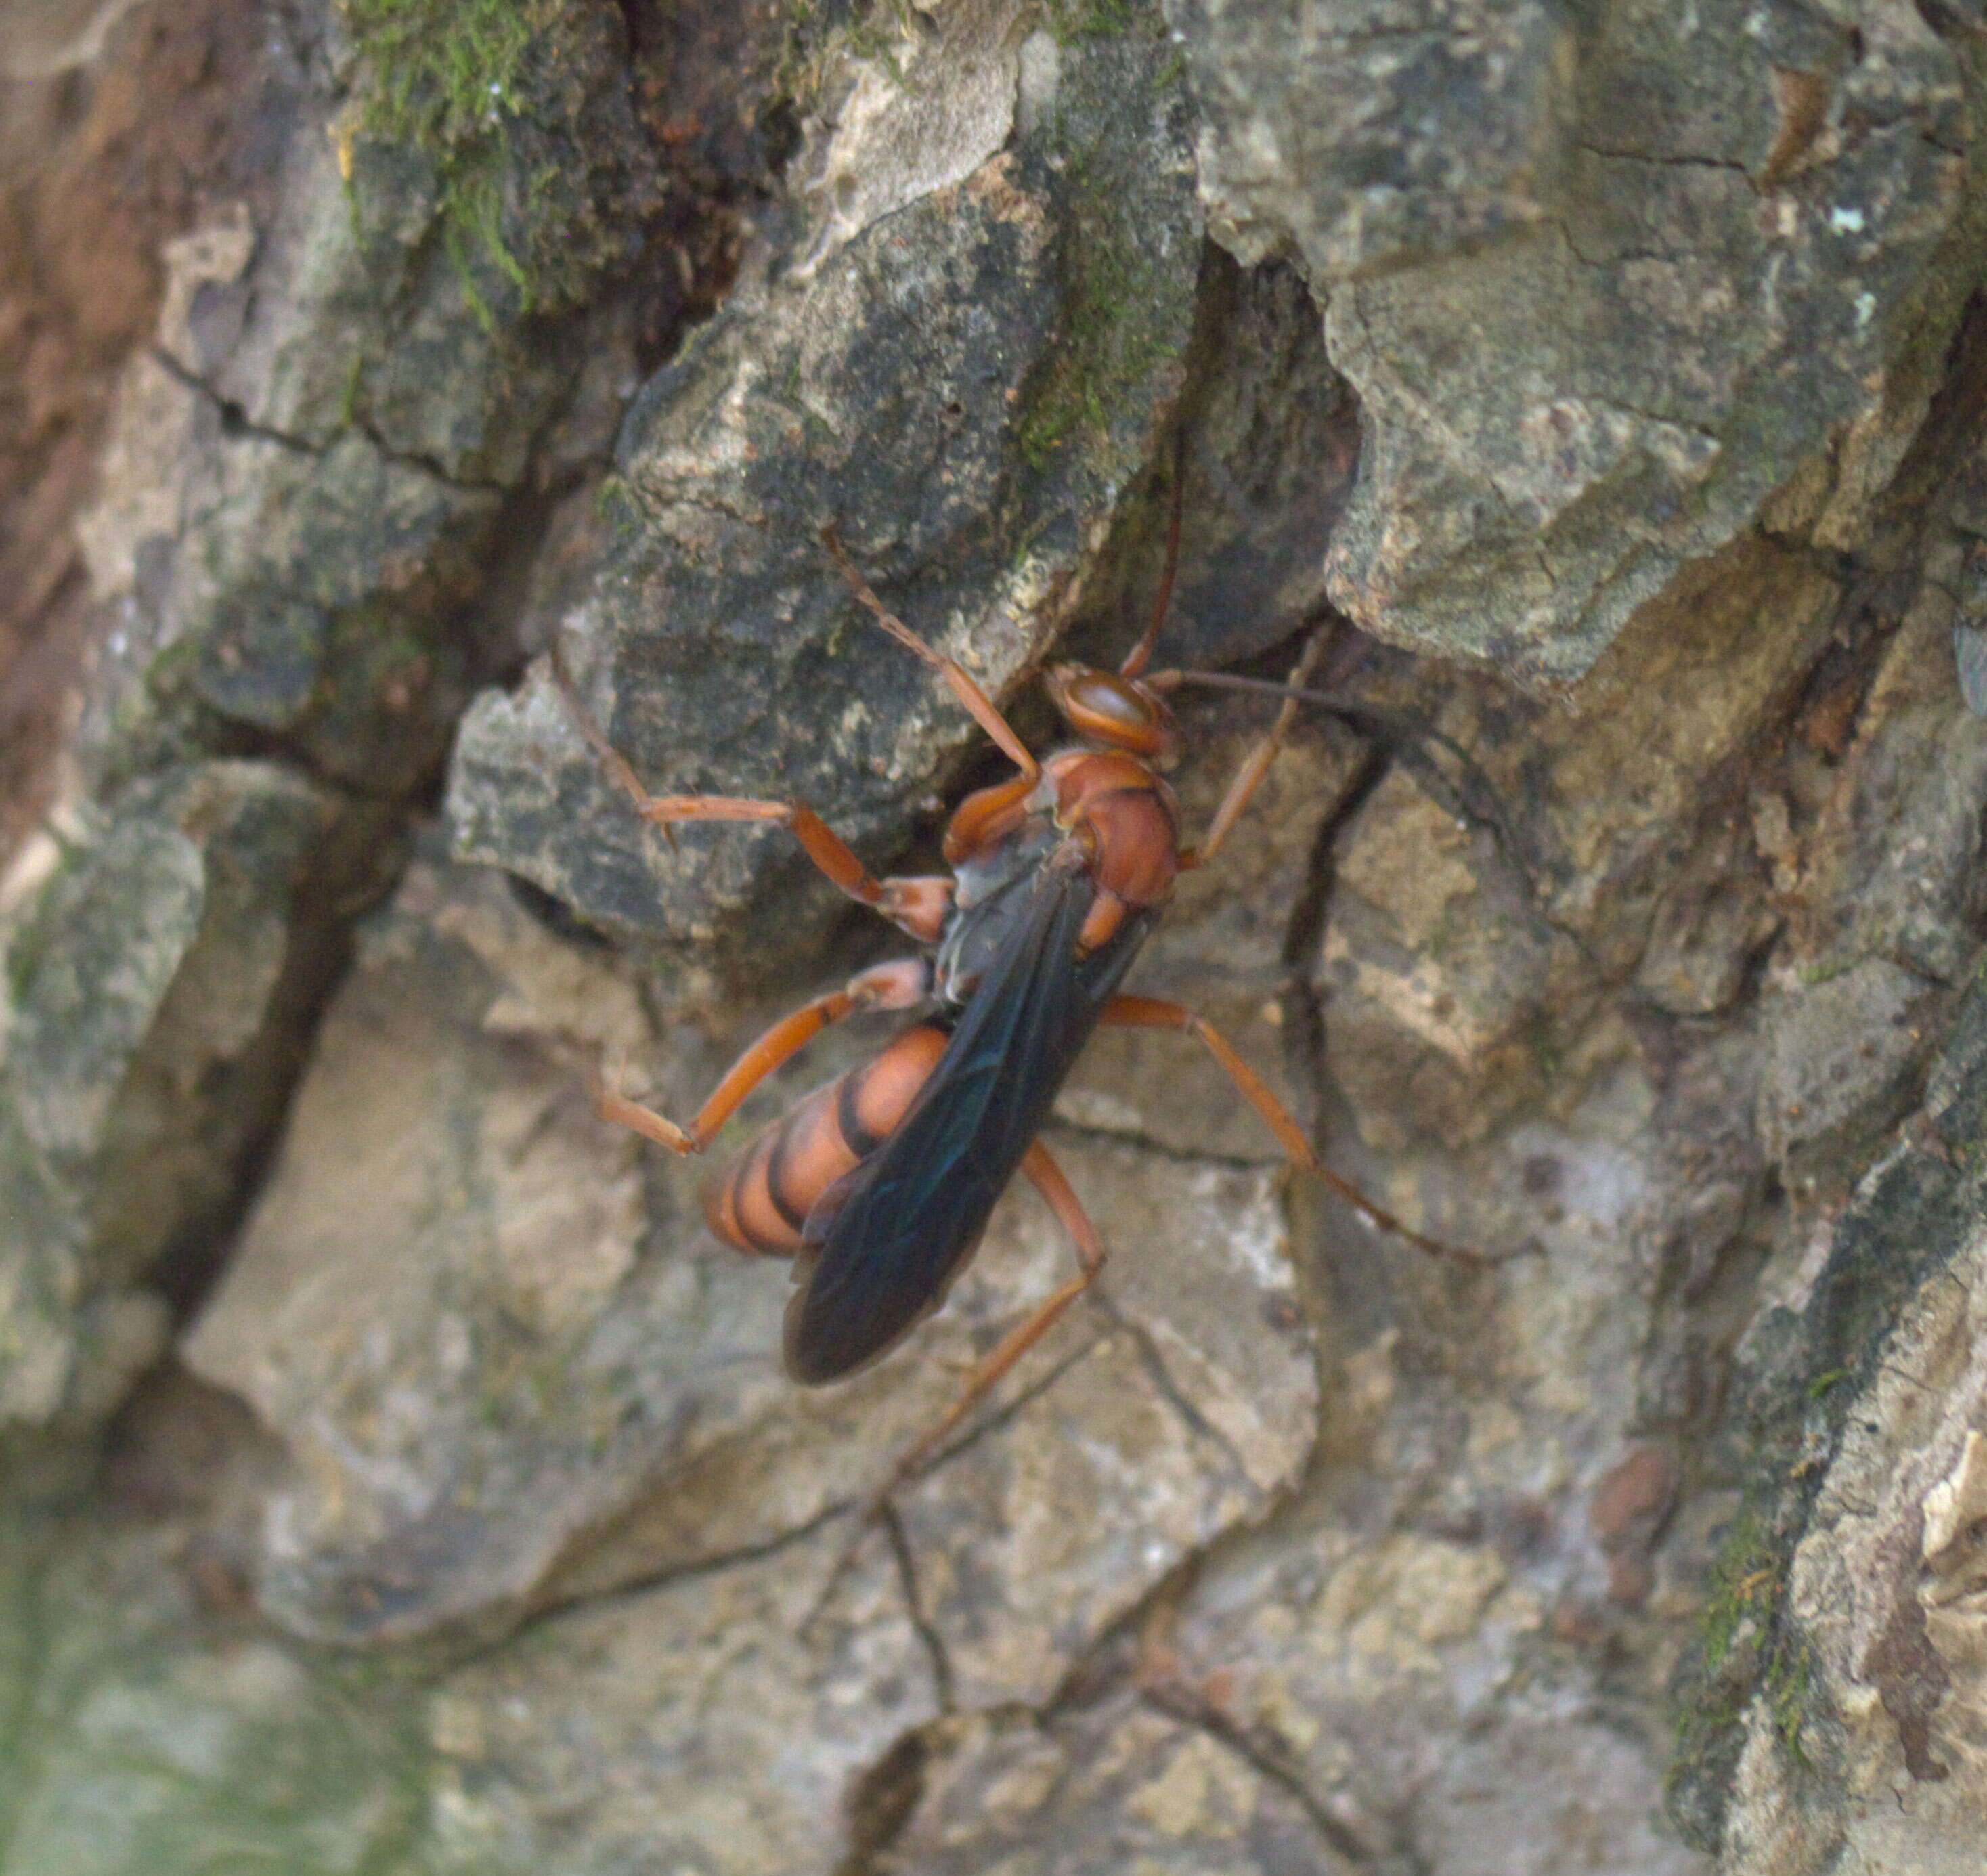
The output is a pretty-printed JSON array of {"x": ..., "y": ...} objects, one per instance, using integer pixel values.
[{"x": 880, "y": 1183}]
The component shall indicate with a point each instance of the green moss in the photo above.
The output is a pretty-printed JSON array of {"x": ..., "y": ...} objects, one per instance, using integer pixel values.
[
  {"x": 38, "y": 929},
  {"x": 441, "y": 69},
  {"x": 1071, "y": 20},
  {"x": 348, "y": 395},
  {"x": 1745, "y": 1582},
  {"x": 472, "y": 224},
  {"x": 1748, "y": 1586},
  {"x": 1543, "y": 1041},
  {"x": 876, "y": 34},
  {"x": 820, "y": 31},
  {"x": 796, "y": 76},
  {"x": 1790, "y": 1681},
  {"x": 1125, "y": 300},
  {"x": 617, "y": 506},
  {"x": 441, "y": 77},
  {"x": 1108, "y": 350}
]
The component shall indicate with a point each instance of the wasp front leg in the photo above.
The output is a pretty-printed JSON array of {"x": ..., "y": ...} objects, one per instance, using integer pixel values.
[
  {"x": 915, "y": 905},
  {"x": 1255, "y": 766}
]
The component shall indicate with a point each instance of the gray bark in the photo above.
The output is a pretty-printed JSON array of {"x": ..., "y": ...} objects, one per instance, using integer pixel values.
[{"x": 398, "y": 1476}]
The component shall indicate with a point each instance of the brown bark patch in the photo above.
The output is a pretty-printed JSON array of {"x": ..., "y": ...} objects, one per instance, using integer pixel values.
[{"x": 99, "y": 166}]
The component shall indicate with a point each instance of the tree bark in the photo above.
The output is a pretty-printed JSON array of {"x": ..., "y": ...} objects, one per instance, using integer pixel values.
[{"x": 397, "y": 1475}]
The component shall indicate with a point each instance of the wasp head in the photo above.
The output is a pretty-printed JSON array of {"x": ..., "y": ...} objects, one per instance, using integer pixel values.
[{"x": 1114, "y": 712}]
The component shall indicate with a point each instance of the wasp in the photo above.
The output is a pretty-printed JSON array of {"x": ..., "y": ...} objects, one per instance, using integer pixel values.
[{"x": 878, "y": 1184}]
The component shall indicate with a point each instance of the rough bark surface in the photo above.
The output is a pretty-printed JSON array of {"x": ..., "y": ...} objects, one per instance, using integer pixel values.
[{"x": 395, "y": 1475}]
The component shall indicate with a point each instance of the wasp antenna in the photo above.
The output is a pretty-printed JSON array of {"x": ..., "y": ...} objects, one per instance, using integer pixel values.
[
  {"x": 978, "y": 705},
  {"x": 1141, "y": 654},
  {"x": 1469, "y": 794},
  {"x": 866, "y": 594},
  {"x": 838, "y": 1571},
  {"x": 584, "y": 721},
  {"x": 1232, "y": 680}
]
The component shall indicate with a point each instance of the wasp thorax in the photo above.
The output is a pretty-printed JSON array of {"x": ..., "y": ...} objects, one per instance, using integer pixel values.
[{"x": 1118, "y": 712}]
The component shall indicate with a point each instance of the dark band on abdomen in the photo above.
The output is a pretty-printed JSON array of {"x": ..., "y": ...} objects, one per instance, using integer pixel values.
[
  {"x": 790, "y": 1207},
  {"x": 761, "y": 1203},
  {"x": 858, "y": 1137}
]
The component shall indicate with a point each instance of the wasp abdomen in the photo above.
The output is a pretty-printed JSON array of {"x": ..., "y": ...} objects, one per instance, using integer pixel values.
[{"x": 762, "y": 1201}]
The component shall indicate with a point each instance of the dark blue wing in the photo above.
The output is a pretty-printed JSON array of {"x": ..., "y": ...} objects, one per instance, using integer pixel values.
[{"x": 902, "y": 1226}]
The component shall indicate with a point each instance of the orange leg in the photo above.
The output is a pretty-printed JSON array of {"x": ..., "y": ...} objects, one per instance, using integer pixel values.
[
  {"x": 916, "y": 905},
  {"x": 1150, "y": 1013},
  {"x": 977, "y": 703},
  {"x": 1249, "y": 777},
  {"x": 1047, "y": 1177},
  {"x": 898, "y": 985}
]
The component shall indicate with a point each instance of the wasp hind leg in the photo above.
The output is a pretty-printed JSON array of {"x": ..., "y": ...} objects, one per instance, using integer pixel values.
[
  {"x": 986, "y": 1374},
  {"x": 901, "y": 984}
]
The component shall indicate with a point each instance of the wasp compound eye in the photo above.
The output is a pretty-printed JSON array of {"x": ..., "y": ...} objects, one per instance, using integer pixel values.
[
  {"x": 1110, "y": 710},
  {"x": 1105, "y": 696}
]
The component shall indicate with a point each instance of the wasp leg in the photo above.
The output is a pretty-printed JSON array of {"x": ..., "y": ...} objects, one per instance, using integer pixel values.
[
  {"x": 1255, "y": 766},
  {"x": 1151, "y": 1013},
  {"x": 900, "y": 984},
  {"x": 1047, "y": 1178},
  {"x": 976, "y": 703},
  {"x": 915, "y": 905}
]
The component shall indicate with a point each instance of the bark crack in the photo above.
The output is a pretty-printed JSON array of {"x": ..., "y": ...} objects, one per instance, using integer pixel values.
[
  {"x": 236, "y": 422},
  {"x": 1170, "y": 1390},
  {"x": 922, "y": 1625},
  {"x": 1587, "y": 147},
  {"x": 1272, "y": 1759}
]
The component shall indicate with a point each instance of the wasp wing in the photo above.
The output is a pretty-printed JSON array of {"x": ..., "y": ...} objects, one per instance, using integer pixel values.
[{"x": 894, "y": 1234}]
